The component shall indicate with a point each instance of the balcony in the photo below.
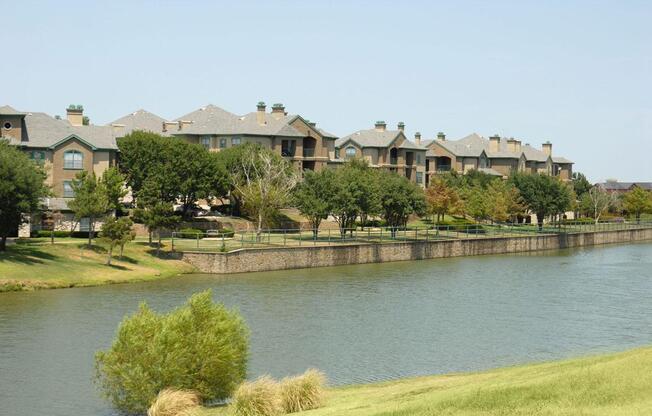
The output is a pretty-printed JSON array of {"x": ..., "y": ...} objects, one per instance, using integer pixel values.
[
  {"x": 287, "y": 152},
  {"x": 308, "y": 152},
  {"x": 443, "y": 168}
]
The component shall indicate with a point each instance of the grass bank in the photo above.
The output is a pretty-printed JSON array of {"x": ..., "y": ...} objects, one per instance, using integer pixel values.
[
  {"x": 615, "y": 384},
  {"x": 37, "y": 264}
]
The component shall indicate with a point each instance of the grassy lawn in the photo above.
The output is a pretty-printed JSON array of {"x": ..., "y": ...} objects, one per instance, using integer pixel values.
[
  {"x": 617, "y": 384},
  {"x": 37, "y": 264}
]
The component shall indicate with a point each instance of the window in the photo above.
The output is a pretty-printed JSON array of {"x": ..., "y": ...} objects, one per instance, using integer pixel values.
[
  {"x": 235, "y": 141},
  {"x": 222, "y": 143},
  {"x": 37, "y": 156},
  {"x": 288, "y": 148},
  {"x": 206, "y": 142},
  {"x": 7, "y": 125},
  {"x": 419, "y": 177},
  {"x": 350, "y": 152},
  {"x": 418, "y": 158},
  {"x": 337, "y": 153},
  {"x": 68, "y": 192},
  {"x": 73, "y": 159}
]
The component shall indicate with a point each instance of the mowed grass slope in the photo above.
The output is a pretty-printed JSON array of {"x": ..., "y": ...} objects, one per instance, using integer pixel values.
[
  {"x": 618, "y": 384},
  {"x": 37, "y": 264}
]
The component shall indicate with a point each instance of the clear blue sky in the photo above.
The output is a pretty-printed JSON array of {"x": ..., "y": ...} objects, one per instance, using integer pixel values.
[{"x": 576, "y": 73}]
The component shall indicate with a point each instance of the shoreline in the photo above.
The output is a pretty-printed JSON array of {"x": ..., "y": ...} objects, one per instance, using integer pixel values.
[{"x": 604, "y": 384}]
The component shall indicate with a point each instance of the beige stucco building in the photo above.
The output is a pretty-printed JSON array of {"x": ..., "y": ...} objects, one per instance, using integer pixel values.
[
  {"x": 498, "y": 156},
  {"x": 386, "y": 149},
  {"x": 291, "y": 136}
]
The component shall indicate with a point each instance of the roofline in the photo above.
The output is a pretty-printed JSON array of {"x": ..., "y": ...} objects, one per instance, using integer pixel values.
[{"x": 72, "y": 136}]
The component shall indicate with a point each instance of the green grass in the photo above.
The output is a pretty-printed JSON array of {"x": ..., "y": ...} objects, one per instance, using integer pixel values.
[
  {"x": 37, "y": 264},
  {"x": 616, "y": 384}
]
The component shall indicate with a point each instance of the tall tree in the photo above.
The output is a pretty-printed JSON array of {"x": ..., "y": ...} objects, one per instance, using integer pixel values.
[
  {"x": 90, "y": 200},
  {"x": 581, "y": 185},
  {"x": 114, "y": 186},
  {"x": 264, "y": 182},
  {"x": 637, "y": 201},
  {"x": 399, "y": 198},
  {"x": 313, "y": 197},
  {"x": 154, "y": 211},
  {"x": 596, "y": 202},
  {"x": 544, "y": 195},
  {"x": 442, "y": 199},
  {"x": 22, "y": 185}
]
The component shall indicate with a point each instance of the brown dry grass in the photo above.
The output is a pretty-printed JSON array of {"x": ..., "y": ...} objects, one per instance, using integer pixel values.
[{"x": 172, "y": 402}]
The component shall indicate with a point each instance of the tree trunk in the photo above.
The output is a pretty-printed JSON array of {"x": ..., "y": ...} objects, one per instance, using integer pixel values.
[
  {"x": 540, "y": 221},
  {"x": 259, "y": 227},
  {"x": 315, "y": 227},
  {"x": 91, "y": 226},
  {"x": 108, "y": 260},
  {"x": 3, "y": 243},
  {"x": 122, "y": 248},
  {"x": 52, "y": 236},
  {"x": 158, "y": 247},
  {"x": 149, "y": 232}
]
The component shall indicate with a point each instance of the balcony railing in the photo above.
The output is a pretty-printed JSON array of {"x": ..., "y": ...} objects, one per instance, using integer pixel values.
[
  {"x": 287, "y": 152},
  {"x": 308, "y": 152},
  {"x": 443, "y": 168}
]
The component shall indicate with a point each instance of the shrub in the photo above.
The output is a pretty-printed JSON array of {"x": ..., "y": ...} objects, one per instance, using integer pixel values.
[
  {"x": 83, "y": 234},
  {"x": 226, "y": 232},
  {"x": 171, "y": 402},
  {"x": 303, "y": 392},
  {"x": 190, "y": 233},
  {"x": 257, "y": 398},
  {"x": 200, "y": 346}
]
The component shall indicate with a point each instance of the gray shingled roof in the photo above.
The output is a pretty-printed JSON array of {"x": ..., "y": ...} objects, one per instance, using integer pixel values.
[
  {"x": 141, "y": 120},
  {"x": 43, "y": 131},
  {"x": 375, "y": 138},
  {"x": 559, "y": 159},
  {"x": 624, "y": 186},
  {"x": 6, "y": 110}
]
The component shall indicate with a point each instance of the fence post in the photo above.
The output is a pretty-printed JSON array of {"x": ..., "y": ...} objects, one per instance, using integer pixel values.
[
  {"x": 197, "y": 240},
  {"x": 329, "y": 236},
  {"x": 172, "y": 240},
  {"x": 284, "y": 237}
]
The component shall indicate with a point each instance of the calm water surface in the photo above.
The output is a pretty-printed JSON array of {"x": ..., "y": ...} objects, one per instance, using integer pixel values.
[{"x": 357, "y": 323}]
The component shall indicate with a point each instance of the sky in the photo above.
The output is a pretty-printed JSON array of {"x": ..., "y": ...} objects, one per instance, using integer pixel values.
[{"x": 576, "y": 73}]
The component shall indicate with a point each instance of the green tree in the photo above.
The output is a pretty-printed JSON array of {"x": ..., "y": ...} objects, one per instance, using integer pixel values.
[
  {"x": 201, "y": 346},
  {"x": 22, "y": 185},
  {"x": 114, "y": 186},
  {"x": 154, "y": 211},
  {"x": 141, "y": 157},
  {"x": 116, "y": 232},
  {"x": 313, "y": 197},
  {"x": 543, "y": 195},
  {"x": 399, "y": 198},
  {"x": 442, "y": 199},
  {"x": 596, "y": 202},
  {"x": 90, "y": 200},
  {"x": 637, "y": 201},
  {"x": 581, "y": 185},
  {"x": 477, "y": 202}
]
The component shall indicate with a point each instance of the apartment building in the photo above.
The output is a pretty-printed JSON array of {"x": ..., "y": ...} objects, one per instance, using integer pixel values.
[
  {"x": 498, "y": 156},
  {"x": 291, "y": 136},
  {"x": 386, "y": 149}
]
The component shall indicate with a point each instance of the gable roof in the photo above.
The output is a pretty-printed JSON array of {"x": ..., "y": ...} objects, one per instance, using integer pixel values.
[
  {"x": 140, "y": 120},
  {"x": 624, "y": 186},
  {"x": 6, "y": 110},
  {"x": 44, "y": 131},
  {"x": 375, "y": 138}
]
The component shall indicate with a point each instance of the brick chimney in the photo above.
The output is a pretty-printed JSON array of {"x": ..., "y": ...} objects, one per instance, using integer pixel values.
[
  {"x": 494, "y": 143},
  {"x": 417, "y": 138},
  {"x": 260, "y": 113},
  {"x": 441, "y": 136},
  {"x": 168, "y": 125},
  {"x": 380, "y": 125},
  {"x": 75, "y": 114},
  {"x": 513, "y": 145},
  {"x": 278, "y": 111},
  {"x": 181, "y": 123},
  {"x": 547, "y": 148},
  {"x": 401, "y": 126}
]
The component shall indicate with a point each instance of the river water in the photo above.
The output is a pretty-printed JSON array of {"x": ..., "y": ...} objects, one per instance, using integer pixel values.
[{"x": 359, "y": 323}]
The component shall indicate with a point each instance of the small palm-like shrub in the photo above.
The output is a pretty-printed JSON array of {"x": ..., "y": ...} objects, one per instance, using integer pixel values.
[
  {"x": 303, "y": 392},
  {"x": 171, "y": 402},
  {"x": 257, "y": 398},
  {"x": 201, "y": 346}
]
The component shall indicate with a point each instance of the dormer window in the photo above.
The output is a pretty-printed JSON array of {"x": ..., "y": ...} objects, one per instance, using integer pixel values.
[
  {"x": 350, "y": 152},
  {"x": 73, "y": 159}
]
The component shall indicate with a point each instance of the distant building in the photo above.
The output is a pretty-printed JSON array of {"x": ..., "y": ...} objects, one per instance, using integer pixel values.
[
  {"x": 386, "y": 149},
  {"x": 622, "y": 187},
  {"x": 496, "y": 156}
]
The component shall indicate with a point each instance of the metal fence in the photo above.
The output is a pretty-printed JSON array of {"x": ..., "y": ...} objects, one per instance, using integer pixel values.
[{"x": 229, "y": 241}]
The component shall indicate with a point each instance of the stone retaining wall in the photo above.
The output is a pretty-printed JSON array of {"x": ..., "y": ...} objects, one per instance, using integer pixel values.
[{"x": 282, "y": 258}]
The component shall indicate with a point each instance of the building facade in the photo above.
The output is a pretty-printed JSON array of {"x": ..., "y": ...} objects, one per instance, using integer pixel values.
[{"x": 386, "y": 149}]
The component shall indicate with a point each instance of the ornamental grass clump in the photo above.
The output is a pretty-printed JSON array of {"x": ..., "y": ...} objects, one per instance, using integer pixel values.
[
  {"x": 172, "y": 402},
  {"x": 303, "y": 392},
  {"x": 201, "y": 346},
  {"x": 257, "y": 398}
]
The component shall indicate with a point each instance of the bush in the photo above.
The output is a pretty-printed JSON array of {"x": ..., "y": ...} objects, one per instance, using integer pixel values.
[
  {"x": 200, "y": 346},
  {"x": 257, "y": 398},
  {"x": 303, "y": 392},
  {"x": 190, "y": 233},
  {"x": 171, "y": 402},
  {"x": 226, "y": 232},
  {"x": 83, "y": 234},
  {"x": 45, "y": 233}
]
